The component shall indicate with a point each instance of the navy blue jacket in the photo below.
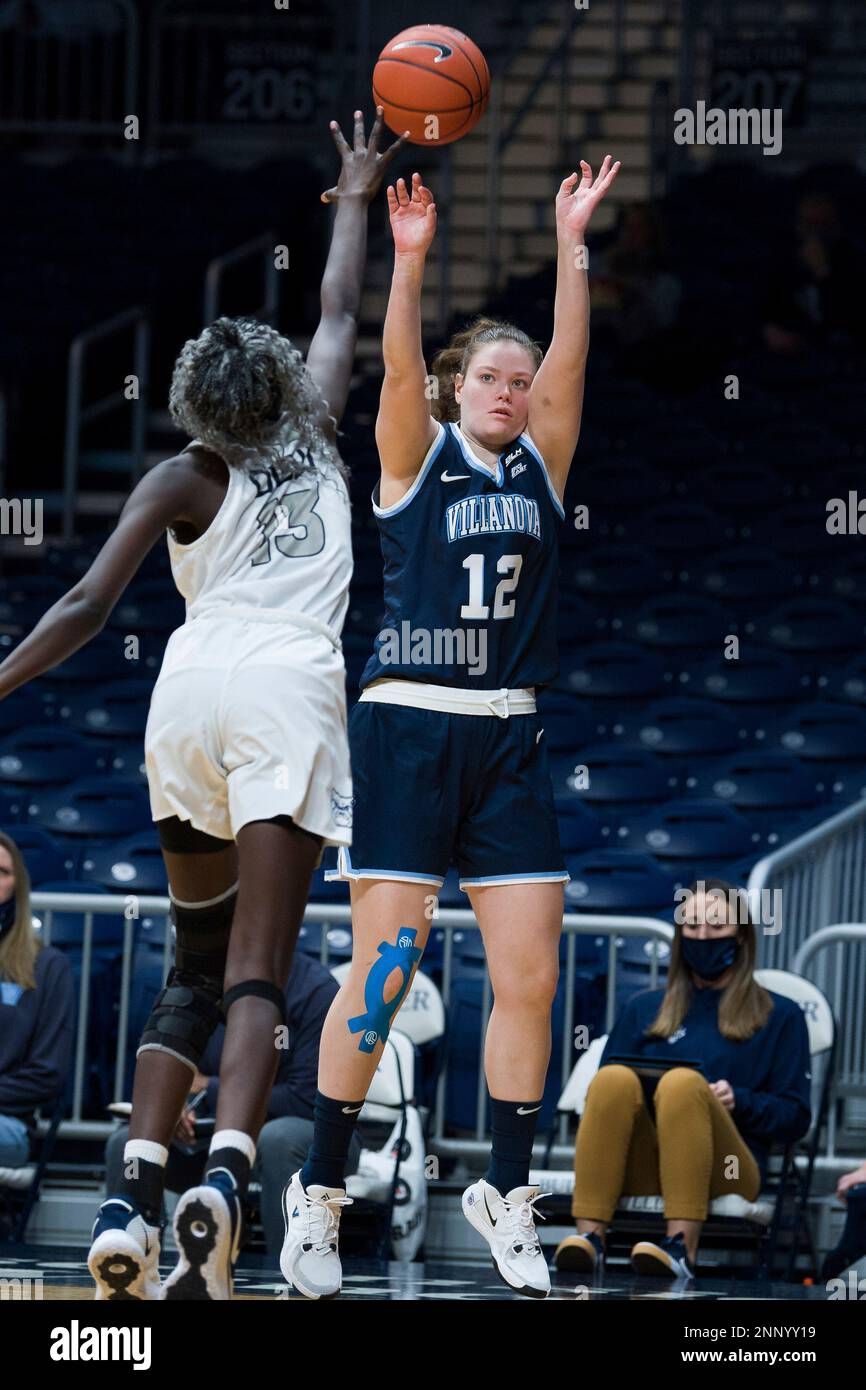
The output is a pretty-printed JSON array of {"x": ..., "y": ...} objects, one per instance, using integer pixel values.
[
  {"x": 309, "y": 992},
  {"x": 35, "y": 1036},
  {"x": 769, "y": 1072}
]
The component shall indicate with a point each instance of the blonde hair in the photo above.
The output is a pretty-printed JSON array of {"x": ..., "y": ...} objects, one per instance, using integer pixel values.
[
  {"x": 21, "y": 945},
  {"x": 459, "y": 353},
  {"x": 744, "y": 1006},
  {"x": 242, "y": 388}
]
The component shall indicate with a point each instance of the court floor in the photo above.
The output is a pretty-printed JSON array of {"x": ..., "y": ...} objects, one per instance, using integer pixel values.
[{"x": 61, "y": 1273}]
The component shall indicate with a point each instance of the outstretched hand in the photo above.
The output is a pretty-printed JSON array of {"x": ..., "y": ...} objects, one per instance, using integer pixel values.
[
  {"x": 413, "y": 216},
  {"x": 363, "y": 166},
  {"x": 575, "y": 206}
]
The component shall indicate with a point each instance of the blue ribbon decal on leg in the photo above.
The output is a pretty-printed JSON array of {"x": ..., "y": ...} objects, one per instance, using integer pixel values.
[{"x": 375, "y": 1024}]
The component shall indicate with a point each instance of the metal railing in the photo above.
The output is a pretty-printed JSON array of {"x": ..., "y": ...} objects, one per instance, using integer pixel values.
[
  {"x": 821, "y": 882},
  {"x": 134, "y": 908},
  {"x": 70, "y": 74},
  {"x": 842, "y": 977},
  {"x": 78, "y": 415},
  {"x": 259, "y": 248},
  {"x": 821, "y": 876}
]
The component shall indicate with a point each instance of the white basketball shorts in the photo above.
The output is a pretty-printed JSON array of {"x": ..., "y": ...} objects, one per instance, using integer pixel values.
[{"x": 248, "y": 721}]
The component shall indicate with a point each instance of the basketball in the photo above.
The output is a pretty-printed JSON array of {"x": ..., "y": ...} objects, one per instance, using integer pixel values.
[{"x": 432, "y": 81}]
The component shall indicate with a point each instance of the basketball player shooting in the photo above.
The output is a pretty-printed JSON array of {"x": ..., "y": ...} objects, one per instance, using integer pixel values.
[{"x": 468, "y": 508}]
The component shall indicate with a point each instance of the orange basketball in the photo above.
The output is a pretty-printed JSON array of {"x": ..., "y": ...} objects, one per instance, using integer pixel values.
[{"x": 432, "y": 81}]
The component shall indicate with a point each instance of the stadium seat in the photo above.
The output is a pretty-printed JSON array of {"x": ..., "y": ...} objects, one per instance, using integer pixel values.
[
  {"x": 43, "y": 755},
  {"x": 134, "y": 865},
  {"x": 92, "y": 806}
]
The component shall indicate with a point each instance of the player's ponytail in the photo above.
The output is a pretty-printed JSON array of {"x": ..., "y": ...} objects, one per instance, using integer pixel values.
[
  {"x": 244, "y": 390},
  {"x": 458, "y": 354}
]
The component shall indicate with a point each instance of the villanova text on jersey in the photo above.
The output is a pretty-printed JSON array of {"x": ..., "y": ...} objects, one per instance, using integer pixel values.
[{"x": 471, "y": 559}]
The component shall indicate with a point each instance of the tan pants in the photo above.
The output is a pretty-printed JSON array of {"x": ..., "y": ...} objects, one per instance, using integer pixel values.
[{"x": 692, "y": 1153}]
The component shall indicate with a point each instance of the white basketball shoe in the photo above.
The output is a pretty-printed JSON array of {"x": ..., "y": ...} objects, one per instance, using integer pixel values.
[
  {"x": 310, "y": 1259},
  {"x": 508, "y": 1225}
]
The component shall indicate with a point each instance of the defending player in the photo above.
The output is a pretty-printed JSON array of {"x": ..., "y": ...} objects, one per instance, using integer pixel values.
[{"x": 246, "y": 749}]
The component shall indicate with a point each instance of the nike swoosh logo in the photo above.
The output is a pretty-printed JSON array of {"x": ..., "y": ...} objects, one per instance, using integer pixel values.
[
  {"x": 537, "y": 739},
  {"x": 521, "y": 1110},
  {"x": 444, "y": 50},
  {"x": 352, "y": 1109},
  {"x": 492, "y": 1219},
  {"x": 453, "y": 477}
]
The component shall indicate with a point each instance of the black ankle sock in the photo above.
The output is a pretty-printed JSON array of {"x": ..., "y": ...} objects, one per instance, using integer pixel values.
[
  {"x": 237, "y": 1163},
  {"x": 333, "y": 1126},
  {"x": 513, "y": 1124},
  {"x": 144, "y": 1188}
]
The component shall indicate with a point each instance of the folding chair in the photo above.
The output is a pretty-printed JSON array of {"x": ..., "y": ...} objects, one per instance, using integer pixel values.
[{"x": 19, "y": 1187}]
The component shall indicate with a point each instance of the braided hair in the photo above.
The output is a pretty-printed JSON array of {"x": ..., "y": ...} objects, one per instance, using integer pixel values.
[{"x": 244, "y": 390}]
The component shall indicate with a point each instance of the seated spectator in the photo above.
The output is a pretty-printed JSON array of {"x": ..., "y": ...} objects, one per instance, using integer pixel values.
[
  {"x": 818, "y": 288},
  {"x": 633, "y": 291},
  {"x": 851, "y": 1248},
  {"x": 288, "y": 1131},
  {"x": 705, "y": 1133},
  {"x": 35, "y": 1013}
]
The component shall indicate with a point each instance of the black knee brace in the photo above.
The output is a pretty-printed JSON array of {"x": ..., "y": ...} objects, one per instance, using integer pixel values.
[
  {"x": 187, "y": 1010},
  {"x": 262, "y": 989},
  {"x": 183, "y": 1017}
]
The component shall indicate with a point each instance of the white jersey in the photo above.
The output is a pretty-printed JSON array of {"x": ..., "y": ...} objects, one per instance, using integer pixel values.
[
  {"x": 276, "y": 544},
  {"x": 247, "y": 719}
]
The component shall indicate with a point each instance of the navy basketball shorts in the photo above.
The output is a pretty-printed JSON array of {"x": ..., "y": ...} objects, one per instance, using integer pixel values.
[{"x": 433, "y": 788}]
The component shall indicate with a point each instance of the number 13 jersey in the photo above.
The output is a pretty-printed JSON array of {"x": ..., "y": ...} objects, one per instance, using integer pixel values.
[
  {"x": 277, "y": 545},
  {"x": 471, "y": 559}
]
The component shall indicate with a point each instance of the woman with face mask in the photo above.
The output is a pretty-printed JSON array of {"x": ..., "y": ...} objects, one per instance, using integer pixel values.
[
  {"x": 706, "y": 1132},
  {"x": 35, "y": 1013}
]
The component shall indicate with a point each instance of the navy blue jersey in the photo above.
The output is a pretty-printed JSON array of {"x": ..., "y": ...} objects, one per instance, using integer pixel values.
[{"x": 471, "y": 560}]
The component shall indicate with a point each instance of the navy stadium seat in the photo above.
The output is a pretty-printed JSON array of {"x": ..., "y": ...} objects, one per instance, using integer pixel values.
[
  {"x": 134, "y": 865},
  {"x": 821, "y": 731},
  {"x": 615, "y": 671},
  {"x": 758, "y": 678},
  {"x": 687, "y": 829},
  {"x": 812, "y": 625},
  {"x": 44, "y": 754},
  {"x": 679, "y": 620},
  {"x": 43, "y": 857},
  {"x": 743, "y": 572},
  {"x": 93, "y": 806},
  {"x": 614, "y": 775},
  {"x": 680, "y": 727},
  {"x": 115, "y": 711},
  {"x": 614, "y": 572},
  {"x": 619, "y": 881}
]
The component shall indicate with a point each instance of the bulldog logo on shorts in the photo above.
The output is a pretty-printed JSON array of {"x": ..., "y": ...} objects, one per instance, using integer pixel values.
[{"x": 341, "y": 808}]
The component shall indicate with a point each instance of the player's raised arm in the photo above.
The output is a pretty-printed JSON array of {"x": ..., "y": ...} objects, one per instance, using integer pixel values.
[
  {"x": 332, "y": 351},
  {"x": 157, "y": 501},
  {"x": 556, "y": 395},
  {"x": 405, "y": 428}
]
